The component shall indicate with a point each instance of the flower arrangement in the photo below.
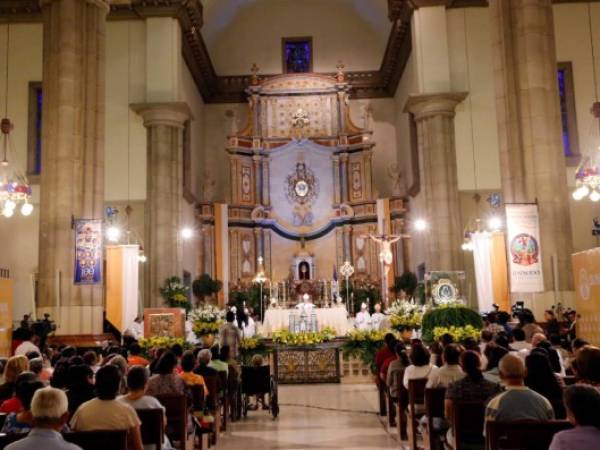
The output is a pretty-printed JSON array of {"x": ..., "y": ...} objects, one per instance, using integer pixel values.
[
  {"x": 458, "y": 333},
  {"x": 305, "y": 339},
  {"x": 448, "y": 316},
  {"x": 147, "y": 344},
  {"x": 206, "y": 320},
  {"x": 175, "y": 293},
  {"x": 405, "y": 314},
  {"x": 364, "y": 345}
]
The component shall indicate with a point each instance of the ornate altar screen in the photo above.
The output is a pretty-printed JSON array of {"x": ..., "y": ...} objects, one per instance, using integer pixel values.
[{"x": 301, "y": 186}]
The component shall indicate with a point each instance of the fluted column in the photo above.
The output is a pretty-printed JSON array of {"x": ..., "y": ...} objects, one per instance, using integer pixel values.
[
  {"x": 72, "y": 179},
  {"x": 336, "y": 179},
  {"x": 344, "y": 177},
  {"x": 532, "y": 161},
  {"x": 164, "y": 126},
  {"x": 434, "y": 115}
]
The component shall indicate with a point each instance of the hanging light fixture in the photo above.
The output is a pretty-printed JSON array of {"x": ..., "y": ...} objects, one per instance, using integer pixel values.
[
  {"x": 15, "y": 190},
  {"x": 587, "y": 176}
]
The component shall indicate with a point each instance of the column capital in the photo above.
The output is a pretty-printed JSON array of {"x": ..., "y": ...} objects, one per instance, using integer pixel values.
[
  {"x": 173, "y": 114},
  {"x": 439, "y": 103}
]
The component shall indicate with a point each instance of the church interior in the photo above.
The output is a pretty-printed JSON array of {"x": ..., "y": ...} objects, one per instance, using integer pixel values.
[{"x": 300, "y": 223}]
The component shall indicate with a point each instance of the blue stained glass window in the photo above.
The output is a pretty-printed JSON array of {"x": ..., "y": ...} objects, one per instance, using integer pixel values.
[
  {"x": 297, "y": 55},
  {"x": 564, "y": 112}
]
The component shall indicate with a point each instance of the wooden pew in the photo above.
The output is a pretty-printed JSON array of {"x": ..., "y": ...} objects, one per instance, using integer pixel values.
[
  {"x": 153, "y": 426},
  {"x": 177, "y": 415},
  {"x": 467, "y": 426},
  {"x": 212, "y": 402},
  {"x": 223, "y": 408},
  {"x": 402, "y": 409},
  {"x": 2, "y": 419},
  {"x": 416, "y": 396},
  {"x": 523, "y": 435},
  {"x": 434, "y": 407}
]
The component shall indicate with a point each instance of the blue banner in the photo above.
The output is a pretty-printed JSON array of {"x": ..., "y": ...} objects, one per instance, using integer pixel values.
[{"x": 88, "y": 251}]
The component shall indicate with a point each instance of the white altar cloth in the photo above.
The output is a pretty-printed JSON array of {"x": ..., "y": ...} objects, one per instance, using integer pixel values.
[{"x": 277, "y": 319}]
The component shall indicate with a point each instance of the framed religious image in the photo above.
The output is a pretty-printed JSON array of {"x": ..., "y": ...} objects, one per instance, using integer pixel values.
[{"x": 297, "y": 54}]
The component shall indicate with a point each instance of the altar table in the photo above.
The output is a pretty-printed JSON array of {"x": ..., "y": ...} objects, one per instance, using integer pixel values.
[{"x": 277, "y": 319}]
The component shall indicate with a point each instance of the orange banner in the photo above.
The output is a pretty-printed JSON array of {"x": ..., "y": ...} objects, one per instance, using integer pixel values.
[
  {"x": 586, "y": 271},
  {"x": 6, "y": 314}
]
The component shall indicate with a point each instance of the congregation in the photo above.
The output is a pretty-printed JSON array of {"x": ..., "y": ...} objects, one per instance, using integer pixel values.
[{"x": 512, "y": 375}]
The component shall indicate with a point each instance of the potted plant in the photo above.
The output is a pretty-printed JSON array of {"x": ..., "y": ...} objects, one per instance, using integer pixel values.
[
  {"x": 205, "y": 286},
  {"x": 406, "y": 282},
  {"x": 175, "y": 293}
]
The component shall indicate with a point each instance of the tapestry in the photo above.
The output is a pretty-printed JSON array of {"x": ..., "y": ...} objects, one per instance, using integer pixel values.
[
  {"x": 523, "y": 248},
  {"x": 88, "y": 251},
  {"x": 586, "y": 272}
]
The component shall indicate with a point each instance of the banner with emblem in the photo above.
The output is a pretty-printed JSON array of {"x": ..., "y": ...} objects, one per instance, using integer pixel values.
[
  {"x": 88, "y": 251},
  {"x": 586, "y": 272},
  {"x": 523, "y": 247}
]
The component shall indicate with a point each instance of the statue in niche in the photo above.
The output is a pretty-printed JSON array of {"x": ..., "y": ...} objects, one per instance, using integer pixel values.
[{"x": 303, "y": 271}]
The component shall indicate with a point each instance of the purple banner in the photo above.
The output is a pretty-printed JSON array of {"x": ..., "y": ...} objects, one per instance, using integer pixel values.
[{"x": 88, "y": 251}]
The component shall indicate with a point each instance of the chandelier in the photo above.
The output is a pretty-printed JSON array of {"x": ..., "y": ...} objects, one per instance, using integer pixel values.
[
  {"x": 14, "y": 187},
  {"x": 587, "y": 181}
]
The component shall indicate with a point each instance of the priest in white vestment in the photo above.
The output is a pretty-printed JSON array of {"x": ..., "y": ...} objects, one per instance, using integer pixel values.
[{"x": 362, "y": 321}]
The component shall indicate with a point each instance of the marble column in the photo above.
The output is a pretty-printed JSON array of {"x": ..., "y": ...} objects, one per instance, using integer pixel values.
[
  {"x": 336, "y": 179},
  {"x": 72, "y": 179},
  {"x": 532, "y": 160},
  {"x": 344, "y": 177},
  {"x": 164, "y": 125},
  {"x": 434, "y": 115}
]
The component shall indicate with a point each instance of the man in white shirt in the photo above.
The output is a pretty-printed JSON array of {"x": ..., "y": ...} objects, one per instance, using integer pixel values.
[
  {"x": 27, "y": 345},
  {"x": 136, "y": 329},
  {"x": 450, "y": 371}
]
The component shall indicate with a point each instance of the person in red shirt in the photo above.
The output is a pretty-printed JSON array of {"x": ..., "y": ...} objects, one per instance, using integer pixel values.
[
  {"x": 385, "y": 352},
  {"x": 135, "y": 358}
]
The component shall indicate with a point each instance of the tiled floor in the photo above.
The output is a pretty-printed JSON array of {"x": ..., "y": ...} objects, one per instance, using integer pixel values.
[{"x": 315, "y": 417}]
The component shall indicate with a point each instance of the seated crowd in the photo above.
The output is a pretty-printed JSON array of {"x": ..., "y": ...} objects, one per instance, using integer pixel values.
[
  {"x": 67, "y": 392},
  {"x": 515, "y": 374}
]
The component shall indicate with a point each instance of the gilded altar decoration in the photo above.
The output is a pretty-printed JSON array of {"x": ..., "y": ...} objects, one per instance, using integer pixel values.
[
  {"x": 444, "y": 292},
  {"x": 88, "y": 251},
  {"x": 301, "y": 190},
  {"x": 162, "y": 325}
]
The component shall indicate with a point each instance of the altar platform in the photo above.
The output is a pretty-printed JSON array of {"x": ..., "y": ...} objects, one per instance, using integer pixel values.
[{"x": 277, "y": 319}]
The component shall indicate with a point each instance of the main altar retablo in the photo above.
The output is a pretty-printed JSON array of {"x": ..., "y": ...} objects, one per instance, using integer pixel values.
[{"x": 301, "y": 193}]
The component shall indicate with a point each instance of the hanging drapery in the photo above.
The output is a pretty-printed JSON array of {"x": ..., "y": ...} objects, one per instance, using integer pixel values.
[{"x": 483, "y": 270}]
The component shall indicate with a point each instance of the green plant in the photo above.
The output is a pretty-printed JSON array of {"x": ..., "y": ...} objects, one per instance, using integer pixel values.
[
  {"x": 364, "y": 345},
  {"x": 151, "y": 343},
  {"x": 458, "y": 333},
  {"x": 252, "y": 346},
  {"x": 206, "y": 320},
  {"x": 406, "y": 282},
  {"x": 175, "y": 293},
  {"x": 204, "y": 286},
  {"x": 448, "y": 316},
  {"x": 249, "y": 295}
]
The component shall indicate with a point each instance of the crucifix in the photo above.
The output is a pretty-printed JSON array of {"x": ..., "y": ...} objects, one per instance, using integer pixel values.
[{"x": 386, "y": 257}]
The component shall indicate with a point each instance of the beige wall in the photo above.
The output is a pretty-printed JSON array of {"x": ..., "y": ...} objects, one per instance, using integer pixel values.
[{"x": 241, "y": 33}]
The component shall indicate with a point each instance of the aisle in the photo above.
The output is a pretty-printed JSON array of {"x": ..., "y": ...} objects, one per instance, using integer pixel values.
[{"x": 315, "y": 417}]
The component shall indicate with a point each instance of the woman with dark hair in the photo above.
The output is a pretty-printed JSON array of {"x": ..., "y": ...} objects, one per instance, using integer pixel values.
[
  {"x": 494, "y": 354},
  {"x": 106, "y": 413},
  {"x": 587, "y": 365},
  {"x": 420, "y": 365},
  {"x": 80, "y": 386},
  {"x": 553, "y": 356},
  {"x": 158, "y": 352},
  {"x": 166, "y": 381},
  {"x": 582, "y": 403},
  {"x": 541, "y": 378},
  {"x": 472, "y": 387},
  {"x": 22, "y": 421}
]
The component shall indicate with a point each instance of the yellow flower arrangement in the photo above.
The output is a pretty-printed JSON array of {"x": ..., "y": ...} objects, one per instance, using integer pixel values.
[
  {"x": 204, "y": 328},
  {"x": 458, "y": 333},
  {"x": 160, "y": 342},
  {"x": 284, "y": 337}
]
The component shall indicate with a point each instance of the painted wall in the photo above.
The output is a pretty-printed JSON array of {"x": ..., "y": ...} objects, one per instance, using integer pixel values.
[{"x": 240, "y": 33}]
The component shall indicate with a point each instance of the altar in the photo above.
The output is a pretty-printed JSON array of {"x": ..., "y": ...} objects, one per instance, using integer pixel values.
[{"x": 278, "y": 319}]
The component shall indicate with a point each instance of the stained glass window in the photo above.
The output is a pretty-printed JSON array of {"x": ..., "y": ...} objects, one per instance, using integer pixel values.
[
  {"x": 34, "y": 157},
  {"x": 567, "y": 112},
  {"x": 297, "y": 55}
]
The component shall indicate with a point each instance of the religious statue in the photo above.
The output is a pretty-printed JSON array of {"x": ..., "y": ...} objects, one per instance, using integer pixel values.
[
  {"x": 361, "y": 322},
  {"x": 303, "y": 271},
  {"x": 377, "y": 318},
  {"x": 395, "y": 173}
]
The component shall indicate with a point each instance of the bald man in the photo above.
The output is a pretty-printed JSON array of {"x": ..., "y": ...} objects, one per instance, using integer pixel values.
[{"x": 517, "y": 402}]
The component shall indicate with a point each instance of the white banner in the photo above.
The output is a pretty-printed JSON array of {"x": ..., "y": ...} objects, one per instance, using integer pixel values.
[{"x": 523, "y": 246}]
